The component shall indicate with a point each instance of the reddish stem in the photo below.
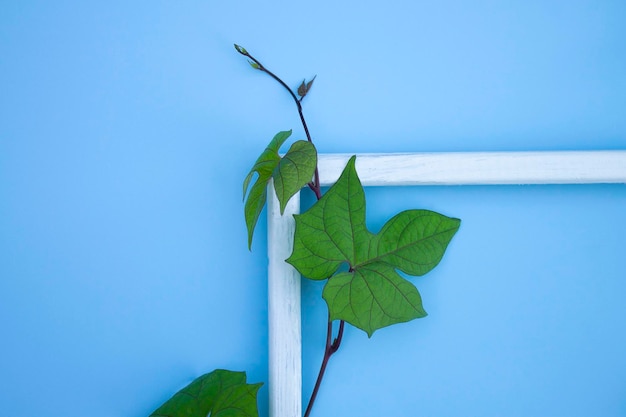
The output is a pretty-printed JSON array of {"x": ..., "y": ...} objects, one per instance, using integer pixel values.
[{"x": 328, "y": 352}]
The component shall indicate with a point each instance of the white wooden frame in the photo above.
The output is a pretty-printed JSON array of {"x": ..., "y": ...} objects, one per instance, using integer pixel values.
[{"x": 475, "y": 168}]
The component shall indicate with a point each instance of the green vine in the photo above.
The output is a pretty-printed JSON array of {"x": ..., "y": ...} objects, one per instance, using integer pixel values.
[{"x": 370, "y": 295}]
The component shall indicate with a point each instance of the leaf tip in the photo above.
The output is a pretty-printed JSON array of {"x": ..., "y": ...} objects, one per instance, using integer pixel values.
[
  {"x": 310, "y": 83},
  {"x": 351, "y": 165}
]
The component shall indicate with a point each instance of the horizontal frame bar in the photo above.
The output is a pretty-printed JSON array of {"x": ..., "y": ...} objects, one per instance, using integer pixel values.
[{"x": 480, "y": 168}]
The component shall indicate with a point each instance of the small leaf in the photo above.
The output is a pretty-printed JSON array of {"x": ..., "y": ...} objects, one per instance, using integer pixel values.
[
  {"x": 254, "y": 64},
  {"x": 290, "y": 174},
  {"x": 294, "y": 171},
  {"x": 218, "y": 393},
  {"x": 264, "y": 166},
  {"x": 302, "y": 89},
  {"x": 371, "y": 295},
  {"x": 310, "y": 83}
]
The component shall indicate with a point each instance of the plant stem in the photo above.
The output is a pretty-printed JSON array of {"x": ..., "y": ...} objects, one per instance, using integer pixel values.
[
  {"x": 328, "y": 352},
  {"x": 331, "y": 347},
  {"x": 315, "y": 185}
]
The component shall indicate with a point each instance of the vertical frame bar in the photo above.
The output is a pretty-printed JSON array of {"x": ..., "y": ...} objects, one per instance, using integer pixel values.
[{"x": 284, "y": 321}]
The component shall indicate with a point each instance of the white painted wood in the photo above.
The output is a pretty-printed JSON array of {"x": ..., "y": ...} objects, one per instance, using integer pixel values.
[
  {"x": 285, "y": 341},
  {"x": 471, "y": 168},
  {"x": 475, "y": 168}
]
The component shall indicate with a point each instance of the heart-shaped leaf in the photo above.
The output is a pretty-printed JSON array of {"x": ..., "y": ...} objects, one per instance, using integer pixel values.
[
  {"x": 290, "y": 174},
  {"x": 294, "y": 171},
  {"x": 371, "y": 295},
  {"x": 218, "y": 393}
]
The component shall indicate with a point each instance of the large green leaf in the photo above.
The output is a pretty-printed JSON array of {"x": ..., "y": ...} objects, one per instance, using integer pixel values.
[
  {"x": 371, "y": 295},
  {"x": 219, "y": 393},
  {"x": 290, "y": 174}
]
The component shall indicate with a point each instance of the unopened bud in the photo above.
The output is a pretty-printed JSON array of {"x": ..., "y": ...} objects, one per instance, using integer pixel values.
[{"x": 241, "y": 50}]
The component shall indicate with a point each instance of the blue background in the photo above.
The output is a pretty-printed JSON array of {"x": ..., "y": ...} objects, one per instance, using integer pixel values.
[{"x": 127, "y": 128}]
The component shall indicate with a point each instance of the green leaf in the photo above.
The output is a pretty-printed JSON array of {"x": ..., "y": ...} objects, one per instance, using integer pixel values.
[
  {"x": 414, "y": 240},
  {"x": 269, "y": 159},
  {"x": 264, "y": 166},
  {"x": 253, "y": 207},
  {"x": 294, "y": 171},
  {"x": 290, "y": 174},
  {"x": 333, "y": 231},
  {"x": 218, "y": 393},
  {"x": 371, "y": 295}
]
